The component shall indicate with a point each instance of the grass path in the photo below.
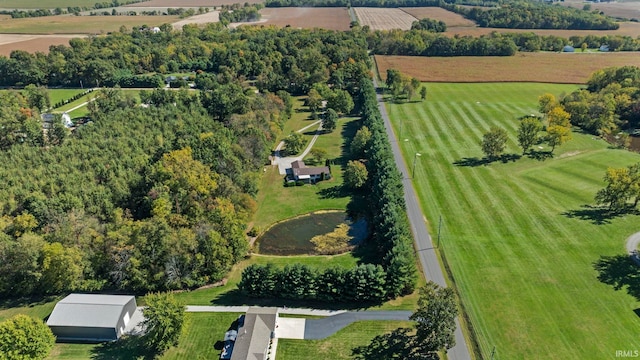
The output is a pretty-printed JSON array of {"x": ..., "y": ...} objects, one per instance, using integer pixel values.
[{"x": 512, "y": 232}]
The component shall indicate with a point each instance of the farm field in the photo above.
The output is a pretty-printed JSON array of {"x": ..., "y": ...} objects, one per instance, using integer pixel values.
[
  {"x": 574, "y": 68},
  {"x": 332, "y": 18},
  {"x": 43, "y": 4},
  {"x": 619, "y": 9},
  {"x": 626, "y": 28},
  {"x": 65, "y": 24},
  {"x": 448, "y": 17},
  {"x": 212, "y": 16},
  {"x": 189, "y": 3},
  {"x": 518, "y": 236},
  {"x": 384, "y": 18}
]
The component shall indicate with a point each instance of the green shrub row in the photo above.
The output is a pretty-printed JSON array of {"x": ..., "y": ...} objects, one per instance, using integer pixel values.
[{"x": 71, "y": 99}]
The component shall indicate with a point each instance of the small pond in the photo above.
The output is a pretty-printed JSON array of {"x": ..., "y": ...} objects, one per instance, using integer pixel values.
[{"x": 293, "y": 237}]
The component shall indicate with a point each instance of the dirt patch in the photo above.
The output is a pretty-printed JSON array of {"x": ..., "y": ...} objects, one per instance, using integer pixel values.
[
  {"x": 635, "y": 144},
  {"x": 332, "y": 18},
  {"x": 190, "y": 3},
  {"x": 566, "y": 68},
  {"x": 626, "y": 28},
  {"x": 448, "y": 17},
  {"x": 212, "y": 16},
  {"x": 384, "y": 19}
]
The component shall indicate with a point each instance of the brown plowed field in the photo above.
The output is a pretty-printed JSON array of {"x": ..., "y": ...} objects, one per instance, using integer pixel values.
[
  {"x": 626, "y": 28},
  {"x": 33, "y": 45},
  {"x": 384, "y": 18},
  {"x": 570, "y": 68},
  {"x": 625, "y": 10},
  {"x": 69, "y": 24},
  {"x": 190, "y": 3},
  {"x": 333, "y": 18},
  {"x": 448, "y": 17}
]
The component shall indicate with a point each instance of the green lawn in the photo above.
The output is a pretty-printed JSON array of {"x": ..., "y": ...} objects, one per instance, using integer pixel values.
[
  {"x": 518, "y": 236},
  {"x": 56, "y": 95},
  {"x": 202, "y": 331},
  {"x": 339, "y": 345}
]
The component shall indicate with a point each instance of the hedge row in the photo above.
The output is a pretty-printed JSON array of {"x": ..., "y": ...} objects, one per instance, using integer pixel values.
[
  {"x": 363, "y": 283},
  {"x": 71, "y": 99}
]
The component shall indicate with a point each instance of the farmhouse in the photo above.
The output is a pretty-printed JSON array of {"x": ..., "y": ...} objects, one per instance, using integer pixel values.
[
  {"x": 568, "y": 48},
  {"x": 88, "y": 317},
  {"x": 299, "y": 171}
]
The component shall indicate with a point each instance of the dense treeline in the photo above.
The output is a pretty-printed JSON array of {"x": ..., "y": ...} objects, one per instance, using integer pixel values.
[
  {"x": 611, "y": 102},
  {"x": 155, "y": 197},
  {"x": 278, "y": 59},
  {"x": 376, "y": 3},
  {"x": 394, "y": 273},
  {"x": 425, "y": 43},
  {"x": 429, "y": 25},
  {"x": 529, "y": 15}
]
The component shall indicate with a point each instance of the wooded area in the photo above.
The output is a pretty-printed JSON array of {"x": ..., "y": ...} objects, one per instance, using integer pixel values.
[{"x": 156, "y": 197}]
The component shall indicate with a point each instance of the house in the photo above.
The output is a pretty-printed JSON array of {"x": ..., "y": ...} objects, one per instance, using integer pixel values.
[
  {"x": 254, "y": 334},
  {"x": 604, "y": 48},
  {"x": 92, "y": 318},
  {"x": 568, "y": 48},
  {"x": 299, "y": 171},
  {"x": 49, "y": 118}
]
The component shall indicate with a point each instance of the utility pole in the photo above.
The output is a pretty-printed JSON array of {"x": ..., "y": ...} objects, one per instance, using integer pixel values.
[
  {"x": 415, "y": 158},
  {"x": 439, "y": 227}
]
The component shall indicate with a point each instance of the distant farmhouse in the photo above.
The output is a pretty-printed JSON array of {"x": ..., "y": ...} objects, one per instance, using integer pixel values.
[
  {"x": 48, "y": 119},
  {"x": 92, "y": 318},
  {"x": 300, "y": 172}
]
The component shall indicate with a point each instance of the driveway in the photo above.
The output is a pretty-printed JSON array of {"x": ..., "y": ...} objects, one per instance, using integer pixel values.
[
  {"x": 322, "y": 328},
  {"x": 284, "y": 163},
  {"x": 632, "y": 247}
]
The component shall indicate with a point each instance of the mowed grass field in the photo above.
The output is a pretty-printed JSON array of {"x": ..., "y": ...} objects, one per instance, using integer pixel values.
[
  {"x": 546, "y": 67},
  {"x": 518, "y": 238}
]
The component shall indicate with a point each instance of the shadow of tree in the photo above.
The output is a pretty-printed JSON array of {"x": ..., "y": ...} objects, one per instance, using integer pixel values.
[
  {"x": 471, "y": 162},
  {"x": 620, "y": 272},
  {"x": 540, "y": 155},
  {"x": 394, "y": 345},
  {"x": 595, "y": 214},
  {"x": 334, "y": 192},
  {"x": 126, "y": 348}
]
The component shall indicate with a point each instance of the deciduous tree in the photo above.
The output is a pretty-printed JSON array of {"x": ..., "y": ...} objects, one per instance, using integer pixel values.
[
  {"x": 25, "y": 338},
  {"x": 164, "y": 319},
  {"x": 494, "y": 142},
  {"x": 330, "y": 120},
  {"x": 360, "y": 142},
  {"x": 355, "y": 175},
  {"x": 528, "y": 132},
  {"x": 294, "y": 143}
]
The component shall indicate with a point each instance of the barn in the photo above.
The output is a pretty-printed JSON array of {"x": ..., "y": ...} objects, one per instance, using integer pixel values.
[{"x": 91, "y": 317}]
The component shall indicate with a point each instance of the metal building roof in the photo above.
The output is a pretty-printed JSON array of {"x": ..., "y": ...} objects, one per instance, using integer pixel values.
[{"x": 89, "y": 310}]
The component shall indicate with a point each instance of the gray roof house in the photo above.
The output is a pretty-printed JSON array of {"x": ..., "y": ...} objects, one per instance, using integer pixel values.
[
  {"x": 94, "y": 318},
  {"x": 300, "y": 171},
  {"x": 254, "y": 336}
]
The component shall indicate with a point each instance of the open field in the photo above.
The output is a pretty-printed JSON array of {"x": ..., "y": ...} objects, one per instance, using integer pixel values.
[
  {"x": 569, "y": 68},
  {"x": 519, "y": 236},
  {"x": 339, "y": 345},
  {"x": 332, "y": 18},
  {"x": 212, "y": 16},
  {"x": 384, "y": 18},
  {"x": 189, "y": 3},
  {"x": 32, "y": 43},
  {"x": 448, "y": 17},
  {"x": 626, "y": 28},
  {"x": 619, "y": 9},
  {"x": 43, "y": 4},
  {"x": 64, "y": 24}
]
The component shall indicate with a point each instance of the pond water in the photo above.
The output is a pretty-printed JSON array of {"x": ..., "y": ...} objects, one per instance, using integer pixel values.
[{"x": 293, "y": 237}]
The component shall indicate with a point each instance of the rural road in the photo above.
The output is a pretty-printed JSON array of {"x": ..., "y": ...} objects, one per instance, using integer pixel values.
[
  {"x": 424, "y": 246},
  {"x": 632, "y": 247}
]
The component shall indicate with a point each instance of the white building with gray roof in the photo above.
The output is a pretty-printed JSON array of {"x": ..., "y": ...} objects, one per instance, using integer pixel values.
[{"x": 92, "y": 317}]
